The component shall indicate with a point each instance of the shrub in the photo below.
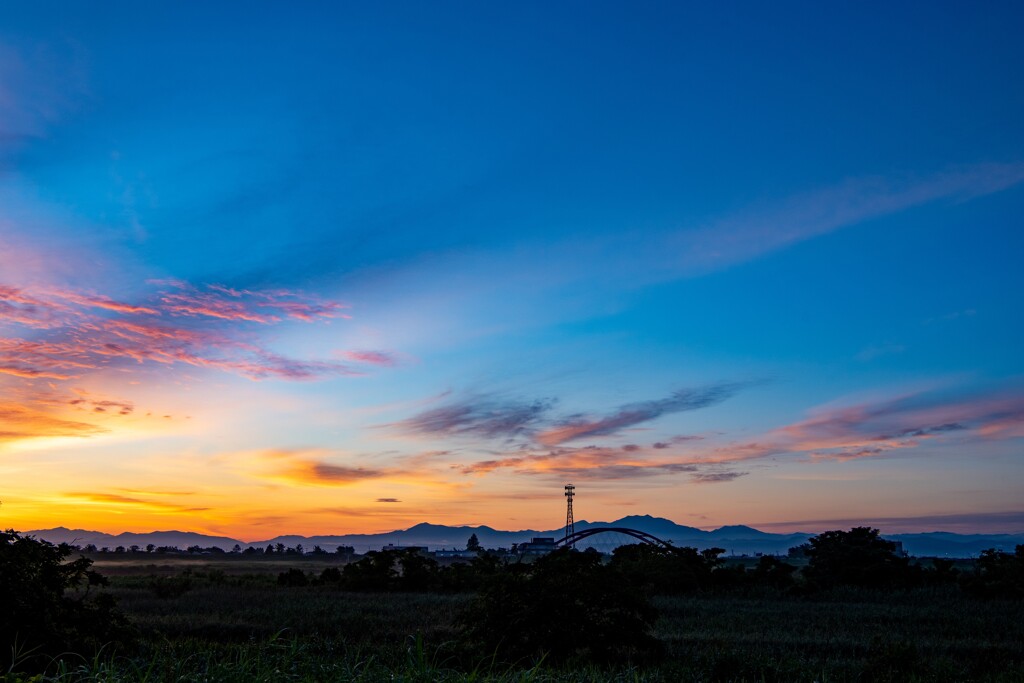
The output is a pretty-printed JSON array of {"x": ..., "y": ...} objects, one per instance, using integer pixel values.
[
  {"x": 292, "y": 578},
  {"x": 167, "y": 587},
  {"x": 48, "y": 607},
  {"x": 858, "y": 557},
  {"x": 666, "y": 571},
  {"x": 997, "y": 575},
  {"x": 563, "y": 606}
]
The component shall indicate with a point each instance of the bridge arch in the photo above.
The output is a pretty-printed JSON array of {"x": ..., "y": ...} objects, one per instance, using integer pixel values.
[{"x": 641, "y": 536}]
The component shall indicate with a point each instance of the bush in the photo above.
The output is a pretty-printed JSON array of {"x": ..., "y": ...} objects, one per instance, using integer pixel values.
[
  {"x": 997, "y": 575},
  {"x": 48, "y": 608},
  {"x": 292, "y": 578},
  {"x": 666, "y": 571},
  {"x": 858, "y": 557},
  {"x": 565, "y": 605}
]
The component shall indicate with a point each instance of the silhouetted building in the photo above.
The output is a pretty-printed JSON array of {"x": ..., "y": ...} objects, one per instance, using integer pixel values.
[
  {"x": 455, "y": 553},
  {"x": 417, "y": 548},
  {"x": 537, "y": 546}
]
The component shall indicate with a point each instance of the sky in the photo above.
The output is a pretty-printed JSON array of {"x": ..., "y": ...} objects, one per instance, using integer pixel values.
[{"x": 331, "y": 268}]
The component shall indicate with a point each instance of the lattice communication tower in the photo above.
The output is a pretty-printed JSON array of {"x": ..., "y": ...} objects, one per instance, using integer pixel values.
[{"x": 570, "y": 525}]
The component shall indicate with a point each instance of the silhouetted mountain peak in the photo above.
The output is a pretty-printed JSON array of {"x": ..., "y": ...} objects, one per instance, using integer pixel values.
[{"x": 738, "y": 531}]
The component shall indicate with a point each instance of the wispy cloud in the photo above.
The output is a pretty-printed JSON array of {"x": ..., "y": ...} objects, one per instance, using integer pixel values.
[
  {"x": 863, "y": 430},
  {"x": 309, "y": 467},
  {"x": 715, "y": 477},
  {"x": 637, "y": 413},
  {"x": 87, "y": 331},
  {"x": 225, "y": 303},
  {"x": 98, "y": 301},
  {"x": 487, "y": 417},
  {"x": 30, "y": 411},
  {"x": 587, "y": 463},
  {"x": 130, "y": 501},
  {"x": 756, "y": 232},
  {"x": 19, "y": 422},
  {"x": 885, "y": 426},
  {"x": 371, "y": 357}
]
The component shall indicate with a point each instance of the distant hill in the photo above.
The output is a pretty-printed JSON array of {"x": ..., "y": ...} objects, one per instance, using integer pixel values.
[
  {"x": 180, "y": 539},
  {"x": 737, "y": 539}
]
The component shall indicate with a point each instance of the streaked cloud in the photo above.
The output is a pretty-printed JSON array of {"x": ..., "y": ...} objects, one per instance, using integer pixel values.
[
  {"x": 130, "y": 501},
  {"x": 872, "y": 429},
  {"x": 715, "y": 477},
  {"x": 759, "y": 231},
  {"x": 308, "y": 466},
  {"x": 839, "y": 433},
  {"x": 80, "y": 340},
  {"x": 637, "y": 413},
  {"x": 486, "y": 417},
  {"x": 584, "y": 463},
  {"x": 371, "y": 357},
  {"x": 225, "y": 303},
  {"x": 19, "y": 422}
]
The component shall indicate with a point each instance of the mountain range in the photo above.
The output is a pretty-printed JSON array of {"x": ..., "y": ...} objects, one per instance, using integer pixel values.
[{"x": 737, "y": 539}]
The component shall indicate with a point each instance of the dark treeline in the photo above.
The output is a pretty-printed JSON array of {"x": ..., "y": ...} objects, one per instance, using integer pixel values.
[
  {"x": 858, "y": 558},
  {"x": 272, "y": 549}
]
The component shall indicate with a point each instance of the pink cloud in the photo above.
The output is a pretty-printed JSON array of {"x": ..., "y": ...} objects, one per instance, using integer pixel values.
[
  {"x": 87, "y": 331},
  {"x": 869, "y": 430},
  {"x": 266, "y": 307},
  {"x": 19, "y": 307},
  {"x": 371, "y": 357},
  {"x": 93, "y": 301},
  {"x": 865, "y": 430},
  {"x": 32, "y": 373},
  {"x": 212, "y": 306}
]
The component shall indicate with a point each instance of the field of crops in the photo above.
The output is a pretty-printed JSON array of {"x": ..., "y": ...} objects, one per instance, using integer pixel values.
[{"x": 231, "y": 621}]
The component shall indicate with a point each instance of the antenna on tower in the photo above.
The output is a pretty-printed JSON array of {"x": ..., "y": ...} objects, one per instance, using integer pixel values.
[{"x": 570, "y": 525}]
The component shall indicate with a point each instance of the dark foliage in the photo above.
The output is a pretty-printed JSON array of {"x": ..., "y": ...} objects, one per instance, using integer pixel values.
[
  {"x": 666, "y": 571},
  {"x": 566, "y": 605},
  {"x": 771, "y": 571},
  {"x": 942, "y": 571},
  {"x": 997, "y": 575},
  {"x": 330, "y": 575},
  {"x": 375, "y": 572},
  {"x": 167, "y": 587},
  {"x": 47, "y": 606},
  {"x": 858, "y": 557},
  {"x": 293, "y": 577}
]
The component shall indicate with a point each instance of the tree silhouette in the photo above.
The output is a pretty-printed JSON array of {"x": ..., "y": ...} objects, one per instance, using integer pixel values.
[
  {"x": 666, "y": 570},
  {"x": 473, "y": 543},
  {"x": 47, "y": 605},
  {"x": 858, "y": 557},
  {"x": 998, "y": 574},
  {"x": 375, "y": 572}
]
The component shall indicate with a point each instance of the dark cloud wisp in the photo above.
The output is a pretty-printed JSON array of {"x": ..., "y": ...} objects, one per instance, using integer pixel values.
[{"x": 481, "y": 417}]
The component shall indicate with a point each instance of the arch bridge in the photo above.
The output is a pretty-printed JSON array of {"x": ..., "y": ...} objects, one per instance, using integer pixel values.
[{"x": 641, "y": 536}]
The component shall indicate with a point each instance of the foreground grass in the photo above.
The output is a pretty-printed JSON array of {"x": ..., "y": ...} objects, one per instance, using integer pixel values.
[{"x": 243, "y": 627}]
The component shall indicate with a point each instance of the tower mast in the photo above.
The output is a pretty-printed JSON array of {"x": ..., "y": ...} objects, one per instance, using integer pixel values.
[{"x": 570, "y": 525}]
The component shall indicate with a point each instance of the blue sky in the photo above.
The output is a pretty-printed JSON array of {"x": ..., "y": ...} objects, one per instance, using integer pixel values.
[{"x": 468, "y": 251}]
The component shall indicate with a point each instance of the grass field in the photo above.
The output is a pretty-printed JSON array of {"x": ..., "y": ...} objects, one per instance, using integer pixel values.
[{"x": 228, "y": 620}]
